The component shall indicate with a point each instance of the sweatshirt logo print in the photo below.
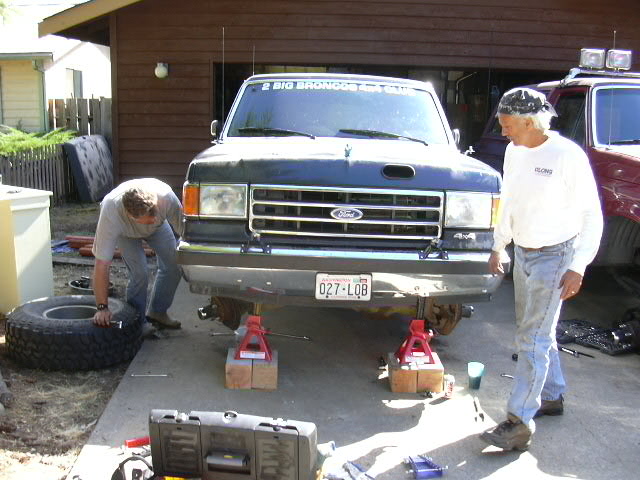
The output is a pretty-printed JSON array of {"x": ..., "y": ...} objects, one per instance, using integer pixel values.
[{"x": 547, "y": 172}]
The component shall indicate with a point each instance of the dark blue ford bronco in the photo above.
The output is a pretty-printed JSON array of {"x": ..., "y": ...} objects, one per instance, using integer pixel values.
[{"x": 339, "y": 190}]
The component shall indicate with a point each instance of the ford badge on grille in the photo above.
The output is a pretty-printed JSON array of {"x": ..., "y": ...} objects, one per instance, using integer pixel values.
[{"x": 346, "y": 213}]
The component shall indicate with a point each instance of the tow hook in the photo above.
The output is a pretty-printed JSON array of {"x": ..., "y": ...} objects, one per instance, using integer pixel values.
[
  {"x": 434, "y": 247},
  {"x": 259, "y": 244}
]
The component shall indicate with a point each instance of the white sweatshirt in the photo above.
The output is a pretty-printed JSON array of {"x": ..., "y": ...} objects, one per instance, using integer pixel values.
[{"x": 549, "y": 195}]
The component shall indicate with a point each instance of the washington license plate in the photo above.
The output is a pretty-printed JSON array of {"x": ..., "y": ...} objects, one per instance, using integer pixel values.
[{"x": 330, "y": 286}]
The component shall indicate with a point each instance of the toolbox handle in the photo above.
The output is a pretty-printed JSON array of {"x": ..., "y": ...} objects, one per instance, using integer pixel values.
[{"x": 230, "y": 415}]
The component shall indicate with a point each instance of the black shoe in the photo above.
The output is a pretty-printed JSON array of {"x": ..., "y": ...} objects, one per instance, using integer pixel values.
[
  {"x": 551, "y": 408},
  {"x": 511, "y": 434}
]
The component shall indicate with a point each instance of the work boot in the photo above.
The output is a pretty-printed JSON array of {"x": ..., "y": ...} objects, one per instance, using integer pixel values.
[
  {"x": 551, "y": 407},
  {"x": 163, "y": 320},
  {"x": 511, "y": 434}
]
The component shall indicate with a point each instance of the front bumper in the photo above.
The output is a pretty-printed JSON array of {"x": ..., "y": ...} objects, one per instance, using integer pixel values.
[{"x": 288, "y": 275}]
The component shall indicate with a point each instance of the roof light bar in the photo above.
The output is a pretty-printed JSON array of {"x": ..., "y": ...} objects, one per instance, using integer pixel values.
[
  {"x": 592, "y": 58},
  {"x": 619, "y": 59}
]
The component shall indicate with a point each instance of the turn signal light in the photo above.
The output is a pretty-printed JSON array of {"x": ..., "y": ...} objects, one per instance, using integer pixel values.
[
  {"x": 191, "y": 199},
  {"x": 495, "y": 210}
]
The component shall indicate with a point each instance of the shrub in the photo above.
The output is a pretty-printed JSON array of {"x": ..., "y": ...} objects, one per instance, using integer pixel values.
[{"x": 13, "y": 140}]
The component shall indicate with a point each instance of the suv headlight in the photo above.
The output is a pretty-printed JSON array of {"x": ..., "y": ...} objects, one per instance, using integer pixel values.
[
  {"x": 468, "y": 210},
  {"x": 215, "y": 200}
]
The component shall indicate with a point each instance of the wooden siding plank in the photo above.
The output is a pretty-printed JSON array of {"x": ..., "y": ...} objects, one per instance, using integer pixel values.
[
  {"x": 161, "y": 120},
  {"x": 164, "y": 107},
  {"x": 160, "y": 157},
  {"x": 492, "y": 22},
  {"x": 311, "y": 47},
  {"x": 148, "y": 95},
  {"x": 164, "y": 144},
  {"x": 354, "y": 34},
  {"x": 179, "y": 132},
  {"x": 554, "y": 12},
  {"x": 171, "y": 82}
]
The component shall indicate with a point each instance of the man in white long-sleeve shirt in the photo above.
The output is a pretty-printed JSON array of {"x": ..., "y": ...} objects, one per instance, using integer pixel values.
[{"x": 551, "y": 211}]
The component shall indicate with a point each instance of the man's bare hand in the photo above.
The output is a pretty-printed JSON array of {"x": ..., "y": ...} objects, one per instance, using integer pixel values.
[
  {"x": 570, "y": 284},
  {"x": 495, "y": 267},
  {"x": 102, "y": 318}
]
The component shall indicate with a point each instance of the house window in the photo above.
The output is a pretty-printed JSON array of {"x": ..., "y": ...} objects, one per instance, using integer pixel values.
[{"x": 74, "y": 83}]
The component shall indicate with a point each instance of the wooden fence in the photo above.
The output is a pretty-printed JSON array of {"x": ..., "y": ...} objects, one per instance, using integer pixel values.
[
  {"x": 87, "y": 116},
  {"x": 44, "y": 168}
]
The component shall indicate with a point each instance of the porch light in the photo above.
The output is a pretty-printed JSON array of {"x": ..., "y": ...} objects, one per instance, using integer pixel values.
[
  {"x": 592, "y": 58},
  {"x": 161, "y": 70},
  {"x": 619, "y": 59}
]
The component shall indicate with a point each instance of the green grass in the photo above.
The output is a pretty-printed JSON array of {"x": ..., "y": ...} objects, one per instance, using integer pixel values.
[{"x": 13, "y": 140}]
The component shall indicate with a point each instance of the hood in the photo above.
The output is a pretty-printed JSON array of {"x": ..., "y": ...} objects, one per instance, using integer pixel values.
[
  {"x": 630, "y": 151},
  {"x": 345, "y": 162}
]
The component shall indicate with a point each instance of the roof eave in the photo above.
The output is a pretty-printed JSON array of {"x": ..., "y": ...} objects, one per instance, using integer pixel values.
[{"x": 83, "y": 13}]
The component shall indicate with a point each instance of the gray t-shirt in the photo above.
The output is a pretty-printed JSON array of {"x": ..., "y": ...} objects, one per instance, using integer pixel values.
[{"x": 114, "y": 221}]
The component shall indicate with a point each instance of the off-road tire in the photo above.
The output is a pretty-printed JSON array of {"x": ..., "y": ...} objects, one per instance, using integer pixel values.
[{"x": 36, "y": 340}]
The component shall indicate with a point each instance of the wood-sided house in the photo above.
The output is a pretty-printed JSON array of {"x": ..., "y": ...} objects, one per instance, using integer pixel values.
[{"x": 472, "y": 50}]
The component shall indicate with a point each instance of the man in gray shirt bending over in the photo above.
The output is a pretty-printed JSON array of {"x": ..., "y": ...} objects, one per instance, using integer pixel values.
[{"x": 137, "y": 210}]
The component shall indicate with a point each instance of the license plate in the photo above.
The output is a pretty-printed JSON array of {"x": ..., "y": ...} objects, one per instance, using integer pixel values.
[{"x": 330, "y": 286}]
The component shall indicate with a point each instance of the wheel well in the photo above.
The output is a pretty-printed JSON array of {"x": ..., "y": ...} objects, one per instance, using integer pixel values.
[{"x": 620, "y": 242}]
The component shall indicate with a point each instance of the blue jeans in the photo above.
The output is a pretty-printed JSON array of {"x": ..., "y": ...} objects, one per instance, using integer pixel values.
[
  {"x": 168, "y": 276},
  {"x": 536, "y": 277}
]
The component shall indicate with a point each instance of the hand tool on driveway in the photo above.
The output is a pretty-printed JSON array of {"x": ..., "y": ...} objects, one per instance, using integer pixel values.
[{"x": 574, "y": 353}]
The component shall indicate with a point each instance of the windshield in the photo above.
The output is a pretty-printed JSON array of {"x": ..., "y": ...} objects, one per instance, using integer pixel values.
[
  {"x": 334, "y": 108},
  {"x": 617, "y": 115}
]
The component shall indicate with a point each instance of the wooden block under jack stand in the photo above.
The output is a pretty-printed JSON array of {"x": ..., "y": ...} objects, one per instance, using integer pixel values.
[
  {"x": 237, "y": 372},
  {"x": 402, "y": 378},
  {"x": 415, "y": 377},
  {"x": 265, "y": 374},
  {"x": 430, "y": 375}
]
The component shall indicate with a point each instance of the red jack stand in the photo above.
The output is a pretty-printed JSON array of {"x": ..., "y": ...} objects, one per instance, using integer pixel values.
[
  {"x": 258, "y": 349},
  {"x": 415, "y": 348},
  {"x": 414, "y": 367},
  {"x": 252, "y": 364}
]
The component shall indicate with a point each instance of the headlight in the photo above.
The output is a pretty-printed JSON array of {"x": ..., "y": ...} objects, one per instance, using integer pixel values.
[
  {"x": 228, "y": 201},
  {"x": 468, "y": 210}
]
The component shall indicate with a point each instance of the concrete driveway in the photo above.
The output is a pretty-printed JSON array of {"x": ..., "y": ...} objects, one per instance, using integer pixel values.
[{"x": 334, "y": 381}]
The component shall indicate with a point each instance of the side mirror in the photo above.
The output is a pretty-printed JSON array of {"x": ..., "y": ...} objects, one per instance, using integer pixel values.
[
  {"x": 456, "y": 135},
  {"x": 214, "y": 129}
]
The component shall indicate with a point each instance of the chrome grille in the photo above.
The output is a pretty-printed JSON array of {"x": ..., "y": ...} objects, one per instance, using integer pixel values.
[{"x": 306, "y": 211}]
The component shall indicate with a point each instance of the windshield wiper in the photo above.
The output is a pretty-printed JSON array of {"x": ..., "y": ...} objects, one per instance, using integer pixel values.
[
  {"x": 632, "y": 141},
  {"x": 276, "y": 131},
  {"x": 378, "y": 134}
]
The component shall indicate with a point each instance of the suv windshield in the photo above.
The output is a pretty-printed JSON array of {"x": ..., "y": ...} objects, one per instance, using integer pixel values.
[
  {"x": 617, "y": 115},
  {"x": 336, "y": 108}
]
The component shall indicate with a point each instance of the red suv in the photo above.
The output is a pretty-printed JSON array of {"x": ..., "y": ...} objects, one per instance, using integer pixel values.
[{"x": 600, "y": 111}]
